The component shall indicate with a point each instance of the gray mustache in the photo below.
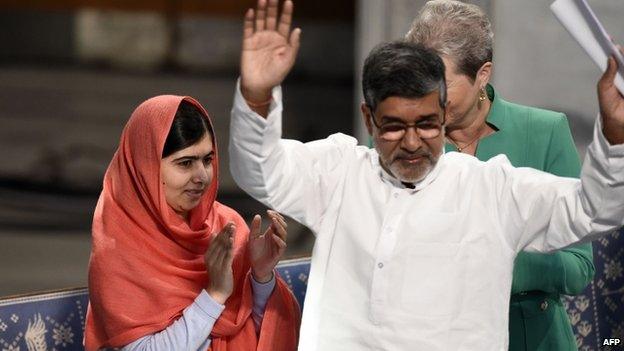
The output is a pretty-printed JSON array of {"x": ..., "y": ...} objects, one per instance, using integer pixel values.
[{"x": 414, "y": 155}]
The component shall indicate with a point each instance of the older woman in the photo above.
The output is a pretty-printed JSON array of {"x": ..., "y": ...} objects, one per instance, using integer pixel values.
[
  {"x": 160, "y": 277},
  {"x": 482, "y": 124}
]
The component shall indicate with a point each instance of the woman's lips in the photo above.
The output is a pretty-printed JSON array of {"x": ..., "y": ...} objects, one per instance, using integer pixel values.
[{"x": 194, "y": 194}]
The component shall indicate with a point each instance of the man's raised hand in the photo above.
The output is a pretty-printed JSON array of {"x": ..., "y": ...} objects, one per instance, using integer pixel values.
[
  {"x": 611, "y": 104},
  {"x": 269, "y": 49}
]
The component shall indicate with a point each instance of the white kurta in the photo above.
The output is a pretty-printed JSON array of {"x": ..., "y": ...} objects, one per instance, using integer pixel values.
[{"x": 428, "y": 268}]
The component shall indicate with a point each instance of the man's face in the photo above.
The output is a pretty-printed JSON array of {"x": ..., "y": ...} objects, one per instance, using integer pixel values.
[{"x": 411, "y": 157}]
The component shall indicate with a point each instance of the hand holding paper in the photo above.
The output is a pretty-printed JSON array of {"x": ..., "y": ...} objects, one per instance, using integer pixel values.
[
  {"x": 580, "y": 21},
  {"x": 611, "y": 105}
]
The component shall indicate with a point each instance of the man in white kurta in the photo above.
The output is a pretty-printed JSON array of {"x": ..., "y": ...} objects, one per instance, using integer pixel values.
[
  {"x": 414, "y": 266},
  {"x": 427, "y": 268}
]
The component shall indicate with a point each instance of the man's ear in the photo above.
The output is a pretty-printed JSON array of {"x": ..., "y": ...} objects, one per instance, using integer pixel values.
[{"x": 366, "y": 114}]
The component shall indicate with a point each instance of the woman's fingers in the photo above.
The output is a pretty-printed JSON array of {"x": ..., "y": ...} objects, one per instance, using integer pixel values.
[
  {"x": 279, "y": 217},
  {"x": 226, "y": 247},
  {"x": 281, "y": 244},
  {"x": 229, "y": 256},
  {"x": 254, "y": 231},
  {"x": 279, "y": 228},
  {"x": 220, "y": 243}
]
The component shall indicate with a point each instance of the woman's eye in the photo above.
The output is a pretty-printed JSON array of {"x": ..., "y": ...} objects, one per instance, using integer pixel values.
[
  {"x": 185, "y": 164},
  {"x": 207, "y": 161}
]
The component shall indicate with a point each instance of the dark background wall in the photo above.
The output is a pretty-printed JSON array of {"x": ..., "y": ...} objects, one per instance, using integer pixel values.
[{"x": 71, "y": 73}]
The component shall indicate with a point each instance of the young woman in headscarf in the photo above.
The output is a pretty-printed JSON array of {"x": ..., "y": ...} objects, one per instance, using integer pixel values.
[{"x": 171, "y": 268}]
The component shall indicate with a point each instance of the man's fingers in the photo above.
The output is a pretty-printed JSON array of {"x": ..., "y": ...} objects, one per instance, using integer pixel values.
[
  {"x": 609, "y": 75},
  {"x": 271, "y": 21},
  {"x": 261, "y": 15},
  {"x": 295, "y": 39},
  {"x": 256, "y": 222},
  {"x": 248, "y": 25},
  {"x": 285, "y": 19}
]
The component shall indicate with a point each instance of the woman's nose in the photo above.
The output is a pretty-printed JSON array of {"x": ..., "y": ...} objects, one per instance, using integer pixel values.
[{"x": 201, "y": 174}]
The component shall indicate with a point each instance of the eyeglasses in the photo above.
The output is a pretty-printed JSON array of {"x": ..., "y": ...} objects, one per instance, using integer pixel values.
[{"x": 394, "y": 131}]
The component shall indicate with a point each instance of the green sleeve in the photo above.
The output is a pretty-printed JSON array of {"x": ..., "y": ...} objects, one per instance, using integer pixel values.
[{"x": 567, "y": 271}]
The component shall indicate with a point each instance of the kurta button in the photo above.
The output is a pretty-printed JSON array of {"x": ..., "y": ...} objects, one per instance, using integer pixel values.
[
  {"x": 396, "y": 195},
  {"x": 544, "y": 305},
  {"x": 380, "y": 265}
]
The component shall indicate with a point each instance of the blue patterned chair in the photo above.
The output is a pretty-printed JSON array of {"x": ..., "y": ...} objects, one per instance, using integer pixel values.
[
  {"x": 44, "y": 321},
  {"x": 598, "y": 313},
  {"x": 55, "y": 320}
]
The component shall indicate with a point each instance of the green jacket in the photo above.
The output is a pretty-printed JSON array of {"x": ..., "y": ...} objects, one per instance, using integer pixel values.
[{"x": 541, "y": 139}]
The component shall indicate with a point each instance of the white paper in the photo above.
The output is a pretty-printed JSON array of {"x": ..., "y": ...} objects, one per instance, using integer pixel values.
[{"x": 580, "y": 21}]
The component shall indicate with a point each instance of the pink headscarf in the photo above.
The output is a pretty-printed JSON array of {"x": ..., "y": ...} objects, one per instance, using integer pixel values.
[{"x": 147, "y": 263}]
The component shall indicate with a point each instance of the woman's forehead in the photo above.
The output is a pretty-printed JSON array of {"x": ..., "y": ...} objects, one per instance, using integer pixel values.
[{"x": 200, "y": 149}]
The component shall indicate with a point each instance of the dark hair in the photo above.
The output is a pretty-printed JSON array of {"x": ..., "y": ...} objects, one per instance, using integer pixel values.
[
  {"x": 188, "y": 127},
  {"x": 402, "y": 69}
]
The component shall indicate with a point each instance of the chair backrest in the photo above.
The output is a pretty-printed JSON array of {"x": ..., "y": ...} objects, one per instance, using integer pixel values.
[
  {"x": 44, "y": 321},
  {"x": 55, "y": 320},
  {"x": 295, "y": 272}
]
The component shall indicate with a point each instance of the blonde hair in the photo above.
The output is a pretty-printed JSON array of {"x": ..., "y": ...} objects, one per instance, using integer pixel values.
[{"x": 455, "y": 29}]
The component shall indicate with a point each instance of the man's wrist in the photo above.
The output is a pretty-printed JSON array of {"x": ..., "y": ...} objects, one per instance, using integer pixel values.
[
  {"x": 613, "y": 131},
  {"x": 256, "y": 96}
]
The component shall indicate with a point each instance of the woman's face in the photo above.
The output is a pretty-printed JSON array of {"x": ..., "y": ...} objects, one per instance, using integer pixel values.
[
  {"x": 462, "y": 93},
  {"x": 186, "y": 174}
]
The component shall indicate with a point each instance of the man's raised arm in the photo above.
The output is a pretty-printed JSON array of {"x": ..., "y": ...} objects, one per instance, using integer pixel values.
[
  {"x": 268, "y": 53},
  {"x": 546, "y": 212},
  {"x": 294, "y": 178}
]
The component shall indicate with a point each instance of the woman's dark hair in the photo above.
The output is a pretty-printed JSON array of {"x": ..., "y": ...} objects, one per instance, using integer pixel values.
[{"x": 188, "y": 127}]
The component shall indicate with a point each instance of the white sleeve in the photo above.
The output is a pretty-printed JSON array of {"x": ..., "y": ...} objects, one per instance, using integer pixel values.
[
  {"x": 297, "y": 179},
  {"x": 545, "y": 213},
  {"x": 189, "y": 332}
]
